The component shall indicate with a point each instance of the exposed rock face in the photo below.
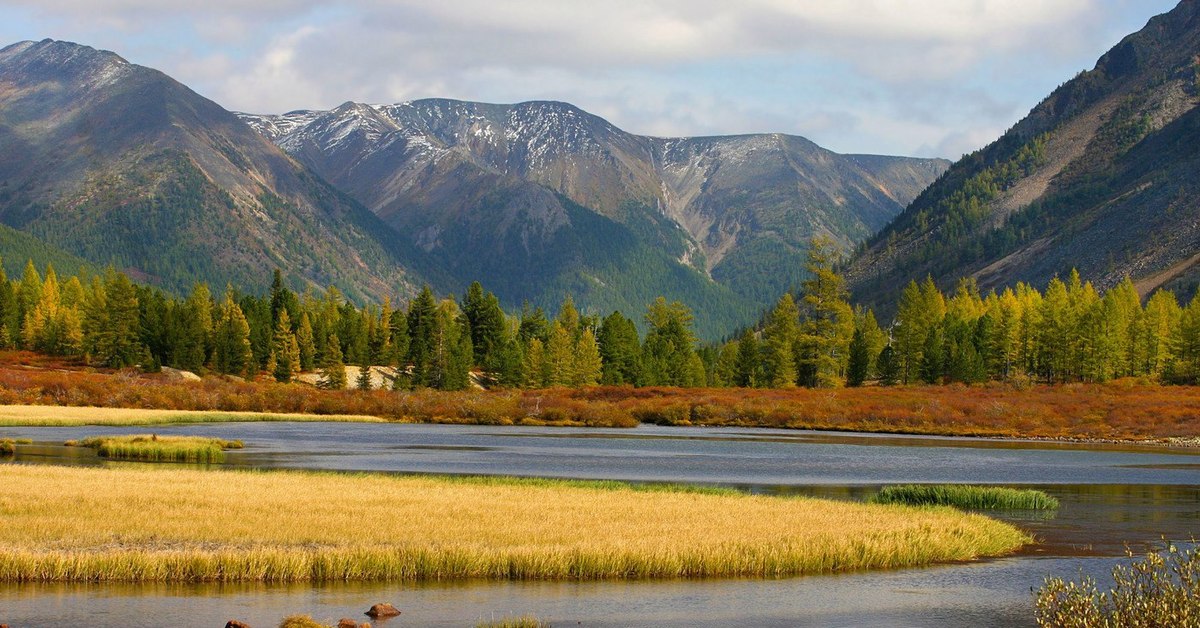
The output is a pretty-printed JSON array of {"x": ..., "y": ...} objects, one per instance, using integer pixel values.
[
  {"x": 1100, "y": 176},
  {"x": 548, "y": 197}
]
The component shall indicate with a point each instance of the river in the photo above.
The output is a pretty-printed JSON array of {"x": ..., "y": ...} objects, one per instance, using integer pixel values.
[{"x": 1112, "y": 497}]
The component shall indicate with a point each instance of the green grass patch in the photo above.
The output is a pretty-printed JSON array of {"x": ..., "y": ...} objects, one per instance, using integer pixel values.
[
  {"x": 155, "y": 448},
  {"x": 966, "y": 497}
]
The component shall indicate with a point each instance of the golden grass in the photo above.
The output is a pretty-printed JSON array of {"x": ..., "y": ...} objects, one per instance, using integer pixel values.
[
  {"x": 155, "y": 448},
  {"x": 524, "y": 621},
  {"x": 126, "y": 524},
  {"x": 66, "y": 416}
]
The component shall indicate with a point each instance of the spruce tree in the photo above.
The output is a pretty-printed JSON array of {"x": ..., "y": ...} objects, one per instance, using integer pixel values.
[
  {"x": 619, "y": 349},
  {"x": 306, "y": 343},
  {"x": 231, "y": 339},
  {"x": 860, "y": 360},
  {"x": 333, "y": 370},
  {"x": 285, "y": 349}
]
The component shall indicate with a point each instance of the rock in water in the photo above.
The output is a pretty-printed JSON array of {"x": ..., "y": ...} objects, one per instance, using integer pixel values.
[{"x": 382, "y": 610}]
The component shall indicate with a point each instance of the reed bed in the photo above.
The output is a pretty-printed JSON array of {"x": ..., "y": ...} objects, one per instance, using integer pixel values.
[
  {"x": 965, "y": 496},
  {"x": 70, "y": 416},
  {"x": 183, "y": 525},
  {"x": 155, "y": 448},
  {"x": 8, "y": 446},
  {"x": 524, "y": 621}
]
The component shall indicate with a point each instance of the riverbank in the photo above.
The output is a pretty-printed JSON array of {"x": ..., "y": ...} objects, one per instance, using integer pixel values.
[
  {"x": 175, "y": 525},
  {"x": 1124, "y": 411}
]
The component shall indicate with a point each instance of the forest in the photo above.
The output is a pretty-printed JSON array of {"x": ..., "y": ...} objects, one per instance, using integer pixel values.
[{"x": 812, "y": 337}]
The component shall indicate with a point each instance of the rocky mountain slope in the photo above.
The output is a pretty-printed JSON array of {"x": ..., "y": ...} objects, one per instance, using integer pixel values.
[
  {"x": 1103, "y": 176},
  {"x": 538, "y": 198},
  {"x": 119, "y": 164}
]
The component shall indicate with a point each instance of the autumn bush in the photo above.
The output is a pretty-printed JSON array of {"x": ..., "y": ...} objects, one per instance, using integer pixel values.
[{"x": 1124, "y": 409}]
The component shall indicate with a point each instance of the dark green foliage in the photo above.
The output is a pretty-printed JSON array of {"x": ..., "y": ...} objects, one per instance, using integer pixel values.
[
  {"x": 749, "y": 365},
  {"x": 889, "y": 367},
  {"x": 423, "y": 328},
  {"x": 967, "y": 497},
  {"x": 620, "y": 349},
  {"x": 857, "y": 370},
  {"x": 669, "y": 353}
]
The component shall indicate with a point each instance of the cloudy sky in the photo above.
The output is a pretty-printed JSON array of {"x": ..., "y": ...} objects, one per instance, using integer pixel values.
[{"x": 913, "y": 77}]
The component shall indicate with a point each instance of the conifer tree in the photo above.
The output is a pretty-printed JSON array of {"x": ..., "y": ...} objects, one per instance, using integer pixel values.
[
  {"x": 587, "y": 365},
  {"x": 889, "y": 367},
  {"x": 534, "y": 364},
  {"x": 364, "y": 377},
  {"x": 422, "y": 328},
  {"x": 285, "y": 349},
  {"x": 306, "y": 343},
  {"x": 857, "y": 370},
  {"x": 822, "y": 349},
  {"x": 620, "y": 349},
  {"x": 231, "y": 339},
  {"x": 333, "y": 370},
  {"x": 747, "y": 373},
  {"x": 780, "y": 335}
]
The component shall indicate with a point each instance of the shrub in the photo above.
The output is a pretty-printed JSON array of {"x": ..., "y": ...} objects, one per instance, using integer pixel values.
[{"x": 1163, "y": 589}]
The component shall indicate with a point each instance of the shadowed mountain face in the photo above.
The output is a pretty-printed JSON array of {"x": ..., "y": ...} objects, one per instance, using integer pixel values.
[
  {"x": 539, "y": 198},
  {"x": 120, "y": 164},
  {"x": 1103, "y": 176}
]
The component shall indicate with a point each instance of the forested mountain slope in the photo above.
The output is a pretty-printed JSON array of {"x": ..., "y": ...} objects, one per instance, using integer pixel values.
[
  {"x": 1103, "y": 176},
  {"x": 119, "y": 164},
  {"x": 539, "y": 198}
]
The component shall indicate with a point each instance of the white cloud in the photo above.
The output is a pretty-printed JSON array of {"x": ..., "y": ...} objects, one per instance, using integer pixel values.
[{"x": 861, "y": 75}]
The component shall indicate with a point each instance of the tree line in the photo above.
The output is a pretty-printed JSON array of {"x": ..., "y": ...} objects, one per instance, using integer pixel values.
[{"x": 812, "y": 337}]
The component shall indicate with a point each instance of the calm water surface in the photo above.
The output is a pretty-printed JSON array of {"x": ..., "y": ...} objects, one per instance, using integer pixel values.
[{"x": 1112, "y": 497}]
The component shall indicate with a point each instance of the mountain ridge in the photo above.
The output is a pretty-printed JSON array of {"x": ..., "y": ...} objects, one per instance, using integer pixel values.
[
  {"x": 738, "y": 210},
  {"x": 1083, "y": 181}
]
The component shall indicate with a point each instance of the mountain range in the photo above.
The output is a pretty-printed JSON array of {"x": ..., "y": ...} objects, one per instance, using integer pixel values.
[
  {"x": 115, "y": 163},
  {"x": 107, "y": 162},
  {"x": 1102, "y": 176}
]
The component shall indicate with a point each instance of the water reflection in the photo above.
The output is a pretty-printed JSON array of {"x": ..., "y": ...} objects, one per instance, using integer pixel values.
[{"x": 1112, "y": 497}]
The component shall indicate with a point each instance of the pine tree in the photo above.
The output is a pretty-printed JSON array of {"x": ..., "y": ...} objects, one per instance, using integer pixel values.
[
  {"x": 333, "y": 370},
  {"x": 306, "y": 343},
  {"x": 620, "y": 350},
  {"x": 285, "y": 349},
  {"x": 822, "y": 349},
  {"x": 231, "y": 339},
  {"x": 860, "y": 359},
  {"x": 116, "y": 343},
  {"x": 559, "y": 356},
  {"x": 889, "y": 367},
  {"x": 748, "y": 371},
  {"x": 534, "y": 364},
  {"x": 364, "y": 377},
  {"x": 422, "y": 329},
  {"x": 669, "y": 346},
  {"x": 780, "y": 335},
  {"x": 587, "y": 365}
]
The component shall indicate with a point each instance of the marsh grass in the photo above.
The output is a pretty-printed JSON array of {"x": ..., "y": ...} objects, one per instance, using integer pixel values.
[
  {"x": 1163, "y": 589},
  {"x": 966, "y": 497},
  {"x": 183, "y": 525},
  {"x": 524, "y": 621},
  {"x": 155, "y": 448},
  {"x": 67, "y": 416}
]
